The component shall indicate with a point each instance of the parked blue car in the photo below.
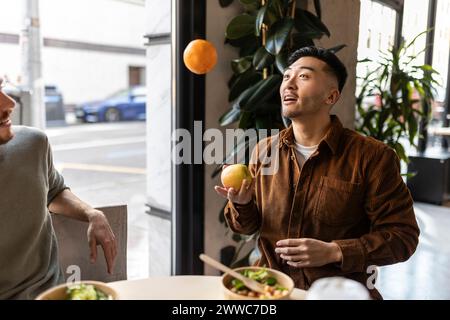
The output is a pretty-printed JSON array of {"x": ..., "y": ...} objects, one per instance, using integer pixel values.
[{"x": 128, "y": 104}]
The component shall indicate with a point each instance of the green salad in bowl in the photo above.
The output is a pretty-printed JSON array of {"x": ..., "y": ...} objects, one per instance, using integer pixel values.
[
  {"x": 277, "y": 285},
  {"x": 84, "y": 291}
]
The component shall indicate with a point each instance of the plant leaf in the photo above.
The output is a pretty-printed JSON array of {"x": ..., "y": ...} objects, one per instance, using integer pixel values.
[
  {"x": 309, "y": 33},
  {"x": 273, "y": 14},
  {"x": 412, "y": 128},
  {"x": 364, "y": 60},
  {"x": 281, "y": 61},
  {"x": 245, "y": 120},
  {"x": 240, "y": 152},
  {"x": 262, "y": 59},
  {"x": 221, "y": 215},
  {"x": 337, "y": 48},
  {"x": 241, "y": 101},
  {"x": 234, "y": 78},
  {"x": 414, "y": 39},
  {"x": 306, "y": 21},
  {"x": 286, "y": 122},
  {"x": 263, "y": 90},
  {"x": 250, "y": 5},
  {"x": 225, "y": 3},
  {"x": 231, "y": 155},
  {"x": 236, "y": 237},
  {"x": 260, "y": 19},
  {"x": 318, "y": 8},
  {"x": 245, "y": 81},
  {"x": 400, "y": 150},
  {"x": 261, "y": 123},
  {"x": 241, "y": 65},
  {"x": 241, "y": 26},
  {"x": 278, "y": 34},
  {"x": 229, "y": 117},
  {"x": 267, "y": 108},
  {"x": 247, "y": 41},
  {"x": 301, "y": 41}
]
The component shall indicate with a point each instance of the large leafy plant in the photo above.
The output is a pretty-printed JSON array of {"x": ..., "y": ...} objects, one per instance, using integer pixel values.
[
  {"x": 265, "y": 33},
  {"x": 392, "y": 97}
]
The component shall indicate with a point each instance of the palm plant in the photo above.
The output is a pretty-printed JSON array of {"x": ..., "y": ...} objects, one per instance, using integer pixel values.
[{"x": 392, "y": 95}]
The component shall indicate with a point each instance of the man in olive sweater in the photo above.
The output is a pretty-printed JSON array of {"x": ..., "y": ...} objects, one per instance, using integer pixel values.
[{"x": 30, "y": 186}]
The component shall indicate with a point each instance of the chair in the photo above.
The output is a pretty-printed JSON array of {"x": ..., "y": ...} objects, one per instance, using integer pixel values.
[{"x": 74, "y": 248}]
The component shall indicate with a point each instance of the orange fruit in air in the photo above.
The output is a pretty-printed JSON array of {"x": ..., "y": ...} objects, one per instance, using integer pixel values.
[
  {"x": 200, "y": 56},
  {"x": 233, "y": 176}
]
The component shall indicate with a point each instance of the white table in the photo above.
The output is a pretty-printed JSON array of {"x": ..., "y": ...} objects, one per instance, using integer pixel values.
[{"x": 177, "y": 288}]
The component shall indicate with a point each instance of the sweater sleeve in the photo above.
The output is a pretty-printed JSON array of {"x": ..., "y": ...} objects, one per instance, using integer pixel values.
[{"x": 55, "y": 180}]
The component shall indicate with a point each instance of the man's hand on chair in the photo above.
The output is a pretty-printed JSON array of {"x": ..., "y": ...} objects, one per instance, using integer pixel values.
[{"x": 100, "y": 233}]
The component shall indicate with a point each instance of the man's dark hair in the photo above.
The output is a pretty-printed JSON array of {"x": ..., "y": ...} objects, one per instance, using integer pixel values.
[{"x": 336, "y": 67}]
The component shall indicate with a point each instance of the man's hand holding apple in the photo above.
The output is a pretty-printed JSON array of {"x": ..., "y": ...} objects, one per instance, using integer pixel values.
[{"x": 235, "y": 178}]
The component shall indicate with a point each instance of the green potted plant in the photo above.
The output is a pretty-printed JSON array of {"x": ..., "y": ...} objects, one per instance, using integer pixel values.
[{"x": 392, "y": 95}]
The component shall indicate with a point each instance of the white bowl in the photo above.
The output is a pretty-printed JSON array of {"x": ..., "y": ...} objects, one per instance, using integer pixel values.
[
  {"x": 60, "y": 292},
  {"x": 282, "y": 279}
]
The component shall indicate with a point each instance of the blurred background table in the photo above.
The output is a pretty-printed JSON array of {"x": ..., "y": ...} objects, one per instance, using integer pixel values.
[{"x": 177, "y": 288}]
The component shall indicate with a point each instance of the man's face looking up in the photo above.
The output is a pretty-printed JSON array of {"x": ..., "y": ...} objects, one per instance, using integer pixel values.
[{"x": 308, "y": 87}]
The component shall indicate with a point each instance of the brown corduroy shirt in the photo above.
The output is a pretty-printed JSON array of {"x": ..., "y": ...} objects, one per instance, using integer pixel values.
[{"x": 349, "y": 191}]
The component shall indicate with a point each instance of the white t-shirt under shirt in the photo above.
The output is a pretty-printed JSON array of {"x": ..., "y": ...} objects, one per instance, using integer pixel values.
[{"x": 304, "y": 152}]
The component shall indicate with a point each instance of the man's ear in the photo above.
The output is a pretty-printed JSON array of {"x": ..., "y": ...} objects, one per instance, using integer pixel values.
[{"x": 333, "y": 97}]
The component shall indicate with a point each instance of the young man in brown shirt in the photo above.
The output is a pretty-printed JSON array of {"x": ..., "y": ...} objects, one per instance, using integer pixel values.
[{"x": 337, "y": 204}]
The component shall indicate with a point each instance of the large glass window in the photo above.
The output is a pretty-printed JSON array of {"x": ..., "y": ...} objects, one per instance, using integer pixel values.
[
  {"x": 440, "y": 63},
  {"x": 442, "y": 43},
  {"x": 415, "y": 15},
  {"x": 376, "y": 33},
  {"x": 376, "y": 29},
  {"x": 94, "y": 70}
]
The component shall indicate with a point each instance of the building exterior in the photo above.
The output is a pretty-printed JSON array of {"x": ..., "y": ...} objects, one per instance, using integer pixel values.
[{"x": 91, "y": 48}]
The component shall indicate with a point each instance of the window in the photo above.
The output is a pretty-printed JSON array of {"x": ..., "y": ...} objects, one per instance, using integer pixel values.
[
  {"x": 415, "y": 14},
  {"x": 136, "y": 76},
  {"x": 376, "y": 32},
  {"x": 440, "y": 64},
  {"x": 441, "y": 45}
]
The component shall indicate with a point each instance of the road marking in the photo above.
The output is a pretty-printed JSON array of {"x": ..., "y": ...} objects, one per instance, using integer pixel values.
[
  {"x": 99, "y": 168},
  {"x": 99, "y": 127},
  {"x": 98, "y": 143}
]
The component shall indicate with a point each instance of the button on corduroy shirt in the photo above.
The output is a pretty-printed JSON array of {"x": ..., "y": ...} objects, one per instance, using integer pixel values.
[{"x": 349, "y": 191}]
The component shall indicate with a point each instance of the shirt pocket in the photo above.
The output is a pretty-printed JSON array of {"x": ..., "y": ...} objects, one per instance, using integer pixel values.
[{"x": 339, "y": 202}]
